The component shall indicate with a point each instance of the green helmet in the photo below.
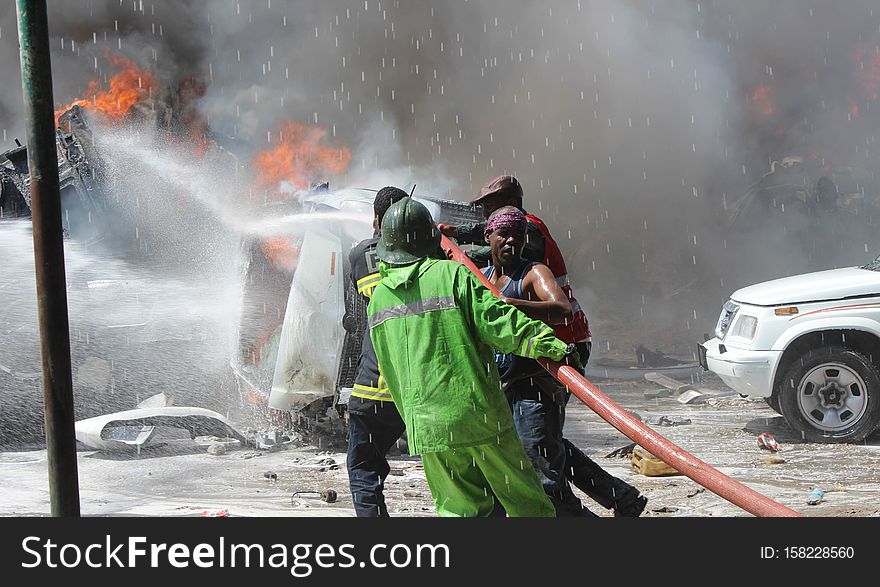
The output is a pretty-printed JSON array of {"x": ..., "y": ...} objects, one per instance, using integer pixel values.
[{"x": 408, "y": 233}]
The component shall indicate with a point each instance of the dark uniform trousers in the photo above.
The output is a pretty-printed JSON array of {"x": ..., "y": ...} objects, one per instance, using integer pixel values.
[{"x": 373, "y": 428}]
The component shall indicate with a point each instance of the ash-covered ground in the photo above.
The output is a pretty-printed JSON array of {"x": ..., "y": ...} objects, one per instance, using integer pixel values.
[{"x": 177, "y": 476}]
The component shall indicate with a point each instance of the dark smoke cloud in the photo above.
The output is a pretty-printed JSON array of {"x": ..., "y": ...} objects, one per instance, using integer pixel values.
[{"x": 632, "y": 125}]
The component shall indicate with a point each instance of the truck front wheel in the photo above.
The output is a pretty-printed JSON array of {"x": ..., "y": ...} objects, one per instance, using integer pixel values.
[{"x": 831, "y": 394}]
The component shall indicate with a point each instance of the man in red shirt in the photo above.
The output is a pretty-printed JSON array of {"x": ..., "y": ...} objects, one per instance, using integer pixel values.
[{"x": 583, "y": 472}]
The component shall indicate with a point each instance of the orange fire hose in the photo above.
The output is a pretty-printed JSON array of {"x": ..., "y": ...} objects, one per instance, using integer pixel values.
[{"x": 659, "y": 446}]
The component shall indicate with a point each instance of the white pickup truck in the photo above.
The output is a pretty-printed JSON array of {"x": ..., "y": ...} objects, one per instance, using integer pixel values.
[{"x": 810, "y": 345}]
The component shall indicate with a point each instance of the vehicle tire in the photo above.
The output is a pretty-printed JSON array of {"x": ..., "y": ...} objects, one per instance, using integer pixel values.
[
  {"x": 831, "y": 395},
  {"x": 773, "y": 402}
]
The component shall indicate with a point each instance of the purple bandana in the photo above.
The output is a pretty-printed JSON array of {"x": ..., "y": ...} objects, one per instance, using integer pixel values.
[{"x": 513, "y": 219}]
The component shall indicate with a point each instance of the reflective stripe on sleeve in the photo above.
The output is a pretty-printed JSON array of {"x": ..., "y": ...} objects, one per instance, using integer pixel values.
[
  {"x": 531, "y": 341},
  {"x": 365, "y": 392},
  {"x": 365, "y": 285}
]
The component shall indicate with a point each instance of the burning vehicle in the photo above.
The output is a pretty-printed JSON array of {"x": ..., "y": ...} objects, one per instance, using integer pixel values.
[
  {"x": 84, "y": 207},
  {"x": 301, "y": 322},
  {"x": 302, "y": 319}
]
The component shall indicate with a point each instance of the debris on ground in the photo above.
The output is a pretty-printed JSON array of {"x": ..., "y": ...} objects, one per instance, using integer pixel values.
[
  {"x": 327, "y": 464},
  {"x": 658, "y": 393},
  {"x": 224, "y": 513},
  {"x": 644, "y": 463},
  {"x": 668, "y": 382},
  {"x": 696, "y": 491},
  {"x": 667, "y": 420},
  {"x": 732, "y": 399},
  {"x": 271, "y": 439},
  {"x": 622, "y": 452},
  {"x": 691, "y": 396},
  {"x": 326, "y": 495},
  {"x": 665, "y": 510},
  {"x": 648, "y": 358},
  {"x": 216, "y": 449},
  {"x": 768, "y": 442},
  {"x": 816, "y": 496},
  {"x": 772, "y": 460},
  {"x": 271, "y": 475}
]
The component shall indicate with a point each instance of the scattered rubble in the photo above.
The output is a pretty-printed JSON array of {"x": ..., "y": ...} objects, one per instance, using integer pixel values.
[
  {"x": 816, "y": 496},
  {"x": 325, "y": 495},
  {"x": 648, "y": 358},
  {"x": 644, "y": 463},
  {"x": 691, "y": 396},
  {"x": 216, "y": 449},
  {"x": 622, "y": 452},
  {"x": 658, "y": 393},
  {"x": 768, "y": 442},
  {"x": 667, "y": 420}
]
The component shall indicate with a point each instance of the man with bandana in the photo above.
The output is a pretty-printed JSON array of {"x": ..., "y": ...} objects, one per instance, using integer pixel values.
[
  {"x": 539, "y": 245},
  {"x": 537, "y": 400}
]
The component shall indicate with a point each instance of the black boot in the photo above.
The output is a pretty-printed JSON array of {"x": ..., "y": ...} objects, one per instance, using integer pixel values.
[
  {"x": 630, "y": 505},
  {"x": 603, "y": 487}
]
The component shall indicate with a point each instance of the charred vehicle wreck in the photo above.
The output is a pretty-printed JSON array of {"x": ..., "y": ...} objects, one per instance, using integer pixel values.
[
  {"x": 83, "y": 206},
  {"x": 302, "y": 319}
]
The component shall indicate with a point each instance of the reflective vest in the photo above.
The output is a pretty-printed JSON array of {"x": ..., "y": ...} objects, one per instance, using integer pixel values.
[
  {"x": 434, "y": 325},
  {"x": 368, "y": 384}
]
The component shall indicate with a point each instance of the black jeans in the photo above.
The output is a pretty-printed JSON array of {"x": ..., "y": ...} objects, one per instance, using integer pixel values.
[
  {"x": 584, "y": 473},
  {"x": 539, "y": 421},
  {"x": 373, "y": 428}
]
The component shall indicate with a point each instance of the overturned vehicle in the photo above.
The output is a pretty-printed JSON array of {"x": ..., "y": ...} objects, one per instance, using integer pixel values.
[{"x": 302, "y": 320}]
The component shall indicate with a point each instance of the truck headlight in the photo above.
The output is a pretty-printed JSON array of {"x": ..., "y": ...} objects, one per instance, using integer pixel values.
[
  {"x": 745, "y": 327},
  {"x": 724, "y": 320}
]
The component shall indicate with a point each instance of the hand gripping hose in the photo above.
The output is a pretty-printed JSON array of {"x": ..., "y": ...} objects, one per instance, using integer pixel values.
[{"x": 712, "y": 479}]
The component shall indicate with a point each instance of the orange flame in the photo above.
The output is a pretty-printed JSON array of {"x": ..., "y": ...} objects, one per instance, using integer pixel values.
[
  {"x": 868, "y": 72},
  {"x": 300, "y": 157},
  {"x": 853, "y": 109},
  {"x": 127, "y": 87},
  {"x": 762, "y": 99},
  {"x": 281, "y": 252}
]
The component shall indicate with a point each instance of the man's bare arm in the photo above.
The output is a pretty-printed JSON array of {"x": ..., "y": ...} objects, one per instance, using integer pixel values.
[{"x": 544, "y": 299}]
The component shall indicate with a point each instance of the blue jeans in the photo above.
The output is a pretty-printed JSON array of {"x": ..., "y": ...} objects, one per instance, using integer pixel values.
[
  {"x": 539, "y": 421},
  {"x": 373, "y": 428}
]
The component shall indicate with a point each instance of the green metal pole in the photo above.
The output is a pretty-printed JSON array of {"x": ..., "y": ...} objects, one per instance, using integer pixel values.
[{"x": 36, "y": 75}]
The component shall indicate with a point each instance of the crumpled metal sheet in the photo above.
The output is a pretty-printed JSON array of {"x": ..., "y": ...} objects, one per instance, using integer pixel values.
[{"x": 134, "y": 428}]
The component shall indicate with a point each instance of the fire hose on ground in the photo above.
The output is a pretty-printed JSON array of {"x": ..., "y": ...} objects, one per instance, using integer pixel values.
[{"x": 712, "y": 479}]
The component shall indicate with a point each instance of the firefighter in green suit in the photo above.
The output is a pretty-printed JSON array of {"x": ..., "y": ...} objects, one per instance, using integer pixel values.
[{"x": 434, "y": 325}]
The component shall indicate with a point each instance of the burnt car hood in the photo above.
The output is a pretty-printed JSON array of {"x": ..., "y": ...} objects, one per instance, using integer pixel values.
[{"x": 834, "y": 284}]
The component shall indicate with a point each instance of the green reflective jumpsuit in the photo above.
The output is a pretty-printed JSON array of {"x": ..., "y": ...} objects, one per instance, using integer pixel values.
[{"x": 434, "y": 326}]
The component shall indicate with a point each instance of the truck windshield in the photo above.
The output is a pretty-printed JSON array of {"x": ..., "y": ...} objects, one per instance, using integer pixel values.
[{"x": 873, "y": 265}]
